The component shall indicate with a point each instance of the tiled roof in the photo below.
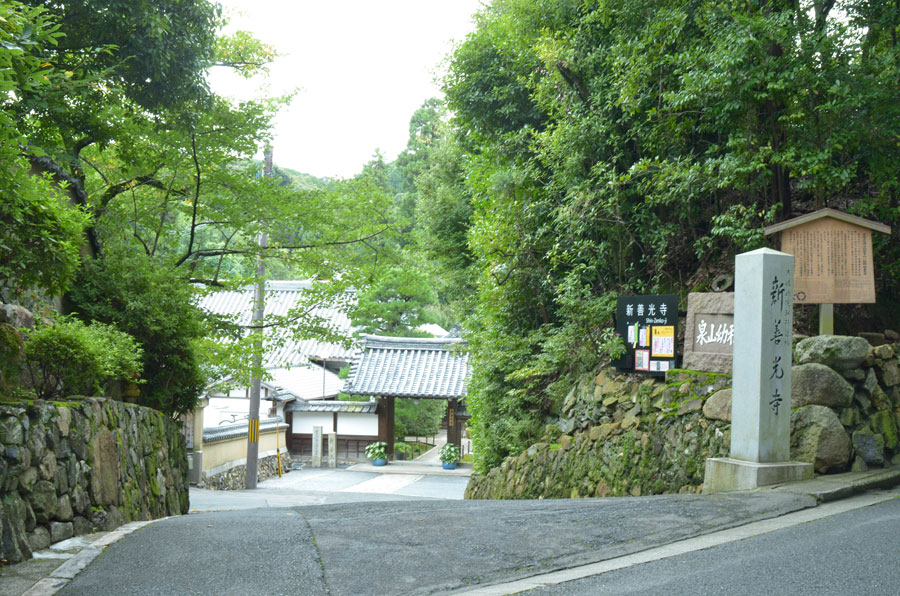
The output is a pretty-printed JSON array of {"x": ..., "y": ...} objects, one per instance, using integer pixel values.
[
  {"x": 410, "y": 367},
  {"x": 353, "y": 407},
  {"x": 307, "y": 382},
  {"x": 239, "y": 429},
  {"x": 280, "y": 297}
]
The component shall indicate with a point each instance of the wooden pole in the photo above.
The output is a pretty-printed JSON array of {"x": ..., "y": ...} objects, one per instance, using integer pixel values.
[{"x": 826, "y": 319}]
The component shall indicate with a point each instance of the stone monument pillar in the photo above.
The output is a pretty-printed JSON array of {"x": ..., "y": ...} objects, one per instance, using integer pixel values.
[
  {"x": 761, "y": 378},
  {"x": 317, "y": 447},
  {"x": 332, "y": 450}
]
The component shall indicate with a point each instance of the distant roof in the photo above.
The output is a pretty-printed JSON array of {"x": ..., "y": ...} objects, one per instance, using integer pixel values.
[
  {"x": 433, "y": 329},
  {"x": 307, "y": 382},
  {"x": 827, "y": 212},
  {"x": 409, "y": 367},
  {"x": 352, "y": 407},
  {"x": 280, "y": 297}
]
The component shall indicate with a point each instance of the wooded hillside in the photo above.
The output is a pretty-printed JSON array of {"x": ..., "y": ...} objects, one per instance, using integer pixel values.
[{"x": 635, "y": 147}]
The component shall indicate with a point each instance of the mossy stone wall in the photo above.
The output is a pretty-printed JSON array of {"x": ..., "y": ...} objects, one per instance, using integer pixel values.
[
  {"x": 619, "y": 435},
  {"x": 69, "y": 468}
]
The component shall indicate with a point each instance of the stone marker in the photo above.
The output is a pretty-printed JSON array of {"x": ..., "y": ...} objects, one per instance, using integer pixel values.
[
  {"x": 317, "y": 447},
  {"x": 761, "y": 379},
  {"x": 709, "y": 332},
  {"x": 332, "y": 450}
]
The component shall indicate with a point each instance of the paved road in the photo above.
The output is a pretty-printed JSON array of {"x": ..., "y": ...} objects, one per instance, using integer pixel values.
[
  {"x": 415, "y": 547},
  {"x": 850, "y": 553},
  {"x": 331, "y": 486}
]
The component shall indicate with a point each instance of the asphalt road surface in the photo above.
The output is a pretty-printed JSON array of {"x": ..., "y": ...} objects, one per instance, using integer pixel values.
[
  {"x": 415, "y": 547},
  {"x": 851, "y": 553}
]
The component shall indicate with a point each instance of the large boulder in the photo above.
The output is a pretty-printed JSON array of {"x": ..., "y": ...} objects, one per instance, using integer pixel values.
[
  {"x": 14, "y": 545},
  {"x": 43, "y": 501},
  {"x": 817, "y": 384},
  {"x": 16, "y": 316},
  {"x": 817, "y": 437},
  {"x": 718, "y": 406},
  {"x": 839, "y": 352}
]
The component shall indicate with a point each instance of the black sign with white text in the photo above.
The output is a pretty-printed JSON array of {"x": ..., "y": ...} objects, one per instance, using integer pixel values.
[{"x": 648, "y": 326}]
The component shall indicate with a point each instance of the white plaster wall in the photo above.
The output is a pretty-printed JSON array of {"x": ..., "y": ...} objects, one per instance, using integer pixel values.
[
  {"x": 305, "y": 421},
  {"x": 348, "y": 424},
  {"x": 234, "y": 409},
  {"x": 357, "y": 424}
]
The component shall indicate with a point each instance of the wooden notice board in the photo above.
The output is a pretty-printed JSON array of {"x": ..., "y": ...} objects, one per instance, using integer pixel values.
[{"x": 833, "y": 257}]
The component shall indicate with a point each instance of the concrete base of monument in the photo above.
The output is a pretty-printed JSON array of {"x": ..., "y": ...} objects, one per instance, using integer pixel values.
[{"x": 724, "y": 474}]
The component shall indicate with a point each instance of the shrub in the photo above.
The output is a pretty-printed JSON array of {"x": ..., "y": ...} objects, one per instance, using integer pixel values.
[
  {"x": 71, "y": 358},
  {"x": 149, "y": 301},
  {"x": 12, "y": 357}
]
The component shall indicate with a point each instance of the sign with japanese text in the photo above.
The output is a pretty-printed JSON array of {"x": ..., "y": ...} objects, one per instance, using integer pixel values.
[
  {"x": 833, "y": 256},
  {"x": 834, "y": 262},
  {"x": 648, "y": 326},
  {"x": 709, "y": 332},
  {"x": 761, "y": 377}
]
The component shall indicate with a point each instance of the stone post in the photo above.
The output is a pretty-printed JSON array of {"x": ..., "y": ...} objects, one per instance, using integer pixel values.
[
  {"x": 332, "y": 450},
  {"x": 761, "y": 379},
  {"x": 317, "y": 447},
  {"x": 196, "y": 472}
]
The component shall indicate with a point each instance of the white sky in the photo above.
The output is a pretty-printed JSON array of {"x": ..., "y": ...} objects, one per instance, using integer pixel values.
[{"x": 362, "y": 68}]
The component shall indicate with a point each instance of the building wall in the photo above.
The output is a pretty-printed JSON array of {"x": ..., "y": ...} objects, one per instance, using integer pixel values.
[
  {"x": 357, "y": 424},
  {"x": 348, "y": 423},
  {"x": 225, "y": 410},
  {"x": 304, "y": 422},
  {"x": 225, "y": 452}
]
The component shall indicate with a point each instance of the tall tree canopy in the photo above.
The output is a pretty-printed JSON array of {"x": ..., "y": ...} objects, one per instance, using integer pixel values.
[
  {"x": 108, "y": 101},
  {"x": 626, "y": 146}
]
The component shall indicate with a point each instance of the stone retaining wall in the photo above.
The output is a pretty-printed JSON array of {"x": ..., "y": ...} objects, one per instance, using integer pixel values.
[
  {"x": 620, "y": 435},
  {"x": 69, "y": 468},
  {"x": 626, "y": 435},
  {"x": 235, "y": 477}
]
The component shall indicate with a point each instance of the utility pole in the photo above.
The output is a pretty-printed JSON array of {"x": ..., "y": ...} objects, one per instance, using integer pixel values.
[{"x": 259, "y": 311}]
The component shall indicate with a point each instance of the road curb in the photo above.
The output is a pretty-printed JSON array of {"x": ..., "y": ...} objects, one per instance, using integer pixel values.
[
  {"x": 841, "y": 486},
  {"x": 66, "y": 572}
]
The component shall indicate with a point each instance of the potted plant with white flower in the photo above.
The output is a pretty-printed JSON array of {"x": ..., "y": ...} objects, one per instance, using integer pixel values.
[
  {"x": 449, "y": 455},
  {"x": 377, "y": 452}
]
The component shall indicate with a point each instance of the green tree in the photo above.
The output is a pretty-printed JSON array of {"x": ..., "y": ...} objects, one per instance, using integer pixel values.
[
  {"x": 41, "y": 235},
  {"x": 152, "y": 303},
  {"x": 395, "y": 305},
  {"x": 634, "y": 146}
]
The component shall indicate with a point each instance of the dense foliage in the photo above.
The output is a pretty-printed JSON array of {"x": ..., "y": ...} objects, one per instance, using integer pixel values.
[
  {"x": 67, "y": 357},
  {"x": 40, "y": 234},
  {"x": 152, "y": 303},
  {"x": 635, "y": 146},
  {"x": 161, "y": 194}
]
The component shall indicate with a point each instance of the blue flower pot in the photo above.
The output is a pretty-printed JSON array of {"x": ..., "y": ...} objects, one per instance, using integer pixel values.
[
  {"x": 379, "y": 461},
  {"x": 448, "y": 465}
]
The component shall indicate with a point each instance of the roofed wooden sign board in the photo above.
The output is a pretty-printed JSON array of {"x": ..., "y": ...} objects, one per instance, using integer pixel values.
[{"x": 833, "y": 256}]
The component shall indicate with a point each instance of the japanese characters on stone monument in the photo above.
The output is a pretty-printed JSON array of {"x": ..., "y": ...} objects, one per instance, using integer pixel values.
[
  {"x": 709, "y": 332},
  {"x": 833, "y": 252},
  {"x": 761, "y": 377}
]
